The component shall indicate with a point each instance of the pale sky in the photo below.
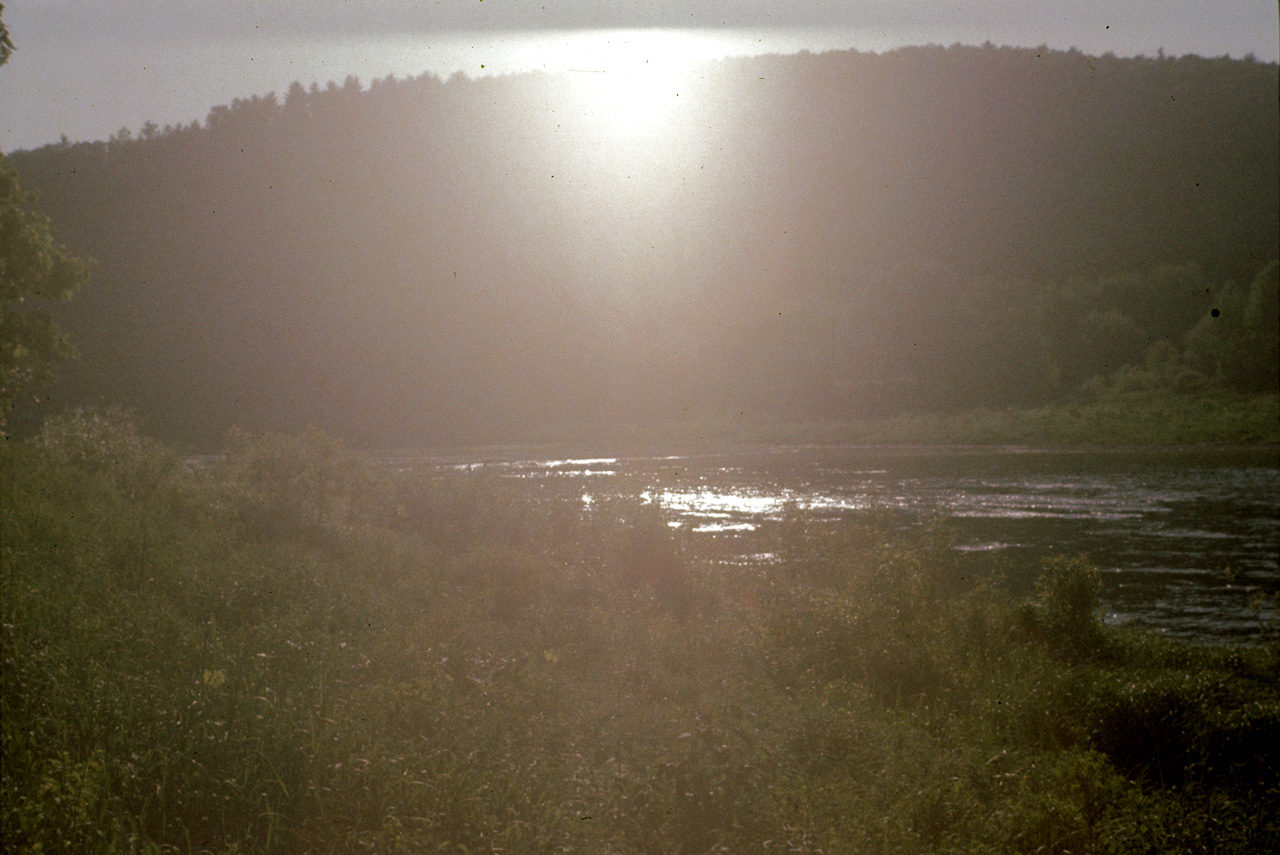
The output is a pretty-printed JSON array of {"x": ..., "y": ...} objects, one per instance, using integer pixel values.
[{"x": 86, "y": 68}]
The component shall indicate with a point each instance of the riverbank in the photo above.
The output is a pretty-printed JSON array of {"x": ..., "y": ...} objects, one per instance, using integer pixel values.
[
  {"x": 1112, "y": 421},
  {"x": 1115, "y": 419},
  {"x": 291, "y": 651}
]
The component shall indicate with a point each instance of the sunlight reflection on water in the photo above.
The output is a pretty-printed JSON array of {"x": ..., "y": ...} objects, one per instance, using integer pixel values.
[
  {"x": 709, "y": 502},
  {"x": 1184, "y": 539}
]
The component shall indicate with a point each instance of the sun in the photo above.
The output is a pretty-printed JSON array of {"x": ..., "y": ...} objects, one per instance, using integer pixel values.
[
  {"x": 627, "y": 102},
  {"x": 633, "y": 88}
]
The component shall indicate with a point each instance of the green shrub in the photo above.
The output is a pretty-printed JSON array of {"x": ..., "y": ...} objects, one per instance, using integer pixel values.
[
  {"x": 107, "y": 443},
  {"x": 1185, "y": 726},
  {"x": 287, "y": 485},
  {"x": 1066, "y": 615}
]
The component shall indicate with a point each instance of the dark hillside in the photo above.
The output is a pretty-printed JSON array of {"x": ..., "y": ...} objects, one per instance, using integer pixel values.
[{"x": 806, "y": 236}]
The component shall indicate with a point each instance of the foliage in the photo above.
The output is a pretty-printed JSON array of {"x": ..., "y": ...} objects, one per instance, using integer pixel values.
[
  {"x": 1102, "y": 416},
  {"x": 290, "y": 484},
  {"x": 108, "y": 443},
  {"x": 211, "y": 665},
  {"x": 6, "y": 44},
  {"x": 34, "y": 271},
  {"x": 1238, "y": 341},
  {"x": 33, "y": 267},
  {"x": 1067, "y": 614}
]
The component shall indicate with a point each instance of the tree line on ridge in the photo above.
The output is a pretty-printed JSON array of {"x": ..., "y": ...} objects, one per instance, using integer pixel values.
[{"x": 804, "y": 237}]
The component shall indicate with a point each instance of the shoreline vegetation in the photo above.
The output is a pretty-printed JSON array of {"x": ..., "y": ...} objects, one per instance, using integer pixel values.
[
  {"x": 295, "y": 651},
  {"x": 1104, "y": 421},
  {"x": 1140, "y": 420}
]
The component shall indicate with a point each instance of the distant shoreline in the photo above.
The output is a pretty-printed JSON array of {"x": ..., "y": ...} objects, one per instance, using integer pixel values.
[
  {"x": 1151, "y": 424},
  {"x": 1141, "y": 422}
]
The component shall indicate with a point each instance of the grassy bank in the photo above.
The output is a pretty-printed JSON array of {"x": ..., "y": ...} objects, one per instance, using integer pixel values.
[
  {"x": 1136, "y": 419},
  {"x": 1112, "y": 419},
  {"x": 295, "y": 652}
]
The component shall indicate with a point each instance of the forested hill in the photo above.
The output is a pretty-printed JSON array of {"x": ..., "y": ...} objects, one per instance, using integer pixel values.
[{"x": 798, "y": 237}]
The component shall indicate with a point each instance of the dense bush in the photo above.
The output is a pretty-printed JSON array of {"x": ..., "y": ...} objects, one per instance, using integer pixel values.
[{"x": 296, "y": 651}]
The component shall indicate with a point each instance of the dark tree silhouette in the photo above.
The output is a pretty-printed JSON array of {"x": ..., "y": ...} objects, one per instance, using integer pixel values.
[{"x": 34, "y": 271}]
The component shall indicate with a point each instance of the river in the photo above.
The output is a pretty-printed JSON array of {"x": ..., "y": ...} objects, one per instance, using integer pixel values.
[{"x": 1186, "y": 539}]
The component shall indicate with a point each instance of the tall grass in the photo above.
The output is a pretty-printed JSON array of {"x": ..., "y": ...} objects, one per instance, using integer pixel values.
[{"x": 295, "y": 651}]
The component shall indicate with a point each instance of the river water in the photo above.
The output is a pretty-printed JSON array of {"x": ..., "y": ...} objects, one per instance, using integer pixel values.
[{"x": 1186, "y": 539}]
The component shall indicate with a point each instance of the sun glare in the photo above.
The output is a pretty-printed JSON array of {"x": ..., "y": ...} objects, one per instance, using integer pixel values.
[
  {"x": 629, "y": 84},
  {"x": 628, "y": 101}
]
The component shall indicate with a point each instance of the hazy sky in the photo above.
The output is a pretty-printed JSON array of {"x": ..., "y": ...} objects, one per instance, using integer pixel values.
[{"x": 86, "y": 68}]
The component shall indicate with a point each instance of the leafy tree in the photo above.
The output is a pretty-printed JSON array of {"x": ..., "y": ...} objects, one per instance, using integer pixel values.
[
  {"x": 6, "y": 45},
  {"x": 1261, "y": 324},
  {"x": 1239, "y": 340},
  {"x": 34, "y": 271}
]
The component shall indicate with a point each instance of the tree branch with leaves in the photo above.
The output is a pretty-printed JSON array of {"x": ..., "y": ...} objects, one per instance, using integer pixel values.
[
  {"x": 6, "y": 44},
  {"x": 35, "y": 273}
]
